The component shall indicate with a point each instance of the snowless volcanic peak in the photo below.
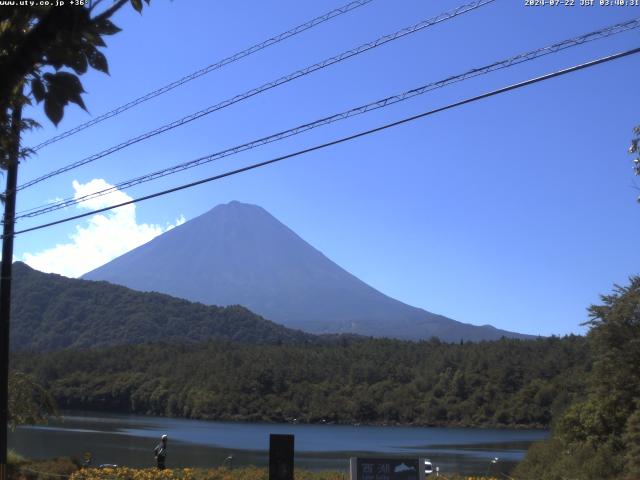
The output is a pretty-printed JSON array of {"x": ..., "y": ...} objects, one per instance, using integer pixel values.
[{"x": 240, "y": 254}]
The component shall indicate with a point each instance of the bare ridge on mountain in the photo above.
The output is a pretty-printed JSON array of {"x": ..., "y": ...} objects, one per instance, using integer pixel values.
[{"x": 239, "y": 254}]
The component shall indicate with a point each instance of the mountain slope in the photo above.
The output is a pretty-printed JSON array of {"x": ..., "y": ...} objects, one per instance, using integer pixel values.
[
  {"x": 52, "y": 312},
  {"x": 240, "y": 254}
]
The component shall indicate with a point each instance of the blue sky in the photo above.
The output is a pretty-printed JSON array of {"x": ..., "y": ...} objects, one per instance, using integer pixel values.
[{"x": 516, "y": 211}]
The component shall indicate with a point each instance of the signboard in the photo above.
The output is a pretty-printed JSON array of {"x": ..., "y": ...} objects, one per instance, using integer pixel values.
[
  {"x": 387, "y": 468},
  {"x": 281, "y": 457}
]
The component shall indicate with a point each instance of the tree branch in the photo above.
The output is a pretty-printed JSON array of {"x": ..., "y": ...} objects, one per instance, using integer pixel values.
[
  {"x": 111, "y": 10},
  {"x": 30, "y": 52}
]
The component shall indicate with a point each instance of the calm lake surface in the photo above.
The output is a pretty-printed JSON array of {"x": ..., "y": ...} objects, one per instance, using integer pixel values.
[{"x": 129, "y": 440}]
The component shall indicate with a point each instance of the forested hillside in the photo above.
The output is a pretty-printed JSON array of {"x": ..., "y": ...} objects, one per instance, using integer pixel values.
[
  {"x": 505, "y": 382},
  {"x": 52, "y": 312},
  {"x": 598, "y": 437}
]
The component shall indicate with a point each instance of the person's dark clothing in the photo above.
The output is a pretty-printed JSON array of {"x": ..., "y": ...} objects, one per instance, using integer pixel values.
[{"x": 161, "y": 454}]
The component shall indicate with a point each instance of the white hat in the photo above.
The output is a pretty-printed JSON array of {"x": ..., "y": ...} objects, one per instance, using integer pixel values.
[{"x": 164, "y": 437}]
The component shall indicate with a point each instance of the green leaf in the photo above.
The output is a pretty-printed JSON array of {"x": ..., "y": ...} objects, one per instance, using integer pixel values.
[
  {"x": 64, "y": 87},
  {"x": 56, "y": 56},
  {"x": 37, "y": 87},
  {"x": 106, "y": 27},
  {"x": 78, "y": 62},
  {"x": 98, "y": 61},
  {"x": 67, "y": 81},
  {"x": 77, "y": 99},
  {"x": 29, "y": 124},
  {"x": 137, "y": 4},
  {"x": 25, "y": 100},
  {"x": 93, "y": 38},
  {"x": 54, "y": 109}
]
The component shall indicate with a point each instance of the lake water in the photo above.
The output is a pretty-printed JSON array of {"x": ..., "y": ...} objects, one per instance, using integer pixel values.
[{"x": 129, "y": 440}]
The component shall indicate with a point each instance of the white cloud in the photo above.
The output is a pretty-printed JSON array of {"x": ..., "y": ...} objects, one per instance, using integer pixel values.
[{"x": 106, "y": 237}]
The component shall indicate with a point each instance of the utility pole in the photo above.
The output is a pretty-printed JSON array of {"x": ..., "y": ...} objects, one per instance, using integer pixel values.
[{"x": 5, "y": 277}]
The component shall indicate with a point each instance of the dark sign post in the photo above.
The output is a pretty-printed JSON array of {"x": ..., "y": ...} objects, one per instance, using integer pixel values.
[
  {"x": 281, "y": 457},
  {"x": 387, "y": 468}
]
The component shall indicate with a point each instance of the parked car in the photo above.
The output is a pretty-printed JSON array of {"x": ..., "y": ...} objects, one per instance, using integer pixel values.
[{"x": 428, "y": 467}]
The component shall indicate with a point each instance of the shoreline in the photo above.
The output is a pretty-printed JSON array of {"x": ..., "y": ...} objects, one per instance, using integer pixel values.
[{"x": 295, "y": 421}]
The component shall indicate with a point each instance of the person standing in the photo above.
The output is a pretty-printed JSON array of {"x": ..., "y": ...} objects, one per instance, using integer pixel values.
[{"x": 160, "y": 452}]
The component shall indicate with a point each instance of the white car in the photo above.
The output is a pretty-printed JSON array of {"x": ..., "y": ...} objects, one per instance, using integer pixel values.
[{"x": 428, "y": 467}]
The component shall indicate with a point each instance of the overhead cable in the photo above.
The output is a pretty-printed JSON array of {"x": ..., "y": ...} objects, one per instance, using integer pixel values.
[
  {"x": 267, "y": 86},
  {"x": 208, "y": 69},
  {"x": 511, "y": 61},
  {"x": 343, "y": 139}
]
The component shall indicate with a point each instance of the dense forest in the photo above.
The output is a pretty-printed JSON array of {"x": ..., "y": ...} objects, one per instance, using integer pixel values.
[
  {"x": 499, "y": 383},
  {"x": 51, "y": 312},
  {"x": 598, "y": 436},
  {"x": 586, "y": 388}
]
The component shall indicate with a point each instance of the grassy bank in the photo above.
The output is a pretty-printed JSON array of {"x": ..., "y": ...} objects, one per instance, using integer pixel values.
[
  {"x": 64, "y": 468},
  {"x": 247, "y": 473},
  {"x": 21, "y": 468}
]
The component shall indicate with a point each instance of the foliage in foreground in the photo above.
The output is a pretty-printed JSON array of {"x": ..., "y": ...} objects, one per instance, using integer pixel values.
[
  {"x": 19, "y": 468},
  {"x": 58, "y": 468},
  {"x": 29, "y": 402},
  {"x": 247, "y": 473},
  {"x": 47, "y": 48},
  {"x": 634, "y": 149},
  {"x": 598, "y": 437},
  {"x": 506, "y": 382}
]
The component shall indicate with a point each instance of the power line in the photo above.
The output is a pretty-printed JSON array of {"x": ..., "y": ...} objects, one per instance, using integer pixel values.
[
  {"x": 450, "y": 106},
  {"x": 515, "y": 60},
  {"x": 208, "y": 69},
  {"x": 267, "y": 86}
]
